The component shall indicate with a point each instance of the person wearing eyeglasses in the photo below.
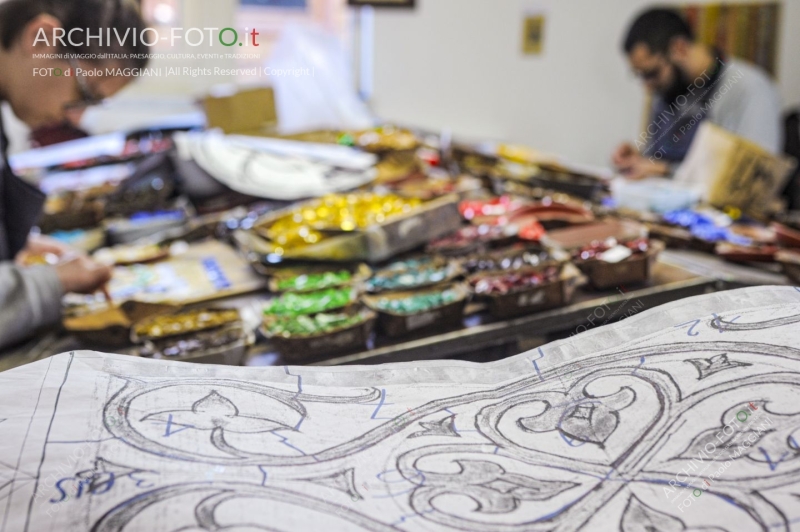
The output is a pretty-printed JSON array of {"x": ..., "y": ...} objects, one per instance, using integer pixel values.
[
  {"x": 30, "y": 296},
  {"x": 689, "y": 83}
]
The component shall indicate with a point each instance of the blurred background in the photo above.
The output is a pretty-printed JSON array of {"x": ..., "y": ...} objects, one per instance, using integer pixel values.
[{"x": 460, "y": 64}]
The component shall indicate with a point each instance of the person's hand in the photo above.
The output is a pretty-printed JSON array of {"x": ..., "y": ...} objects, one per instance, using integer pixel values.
[
  {"x": 624, "y": 154},
  {"x": 630, "y": 163},
  {"x": 642, "y": 167},
  {"x": 82, "y": 275},
  {"x": 45, "y": 246}
]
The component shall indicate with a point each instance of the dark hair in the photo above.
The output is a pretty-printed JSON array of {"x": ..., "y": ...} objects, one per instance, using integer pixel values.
[
  {"x": 656, "y": 28},
  {"x": 94, "y": 14}
]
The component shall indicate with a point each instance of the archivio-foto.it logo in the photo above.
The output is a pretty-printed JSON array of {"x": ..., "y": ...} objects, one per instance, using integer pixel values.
[{"x": 78, "y": 37}]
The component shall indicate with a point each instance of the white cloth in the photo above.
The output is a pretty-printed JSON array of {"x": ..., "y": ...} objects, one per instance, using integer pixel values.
[{"x": 276, "y": 169}]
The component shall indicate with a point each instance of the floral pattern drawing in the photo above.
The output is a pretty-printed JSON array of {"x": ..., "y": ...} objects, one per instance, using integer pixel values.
[{"x": 639, "y": 426}]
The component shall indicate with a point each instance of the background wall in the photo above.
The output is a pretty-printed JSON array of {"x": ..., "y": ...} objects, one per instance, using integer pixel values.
[
  {"x": 458, "y": 64},
  {"x": 329, "y": 14}
]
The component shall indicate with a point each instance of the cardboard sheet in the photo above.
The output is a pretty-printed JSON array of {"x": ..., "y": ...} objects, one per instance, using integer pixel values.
[
  {"x": 685, "y": 417},
  {"x": 206, "y": 271},
  {"x": 730, "y": 171}
]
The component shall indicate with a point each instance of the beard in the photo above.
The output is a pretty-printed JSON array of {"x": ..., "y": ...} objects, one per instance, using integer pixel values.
[{"x": 679, "y": 86}]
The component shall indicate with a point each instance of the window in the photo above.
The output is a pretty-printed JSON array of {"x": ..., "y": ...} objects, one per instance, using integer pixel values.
[
  {"x": 268, "y": 17},
  {"x": 270, "y": 20}
]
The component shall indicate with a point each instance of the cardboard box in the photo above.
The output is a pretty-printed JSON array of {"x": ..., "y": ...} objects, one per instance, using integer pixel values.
[
  {"x": 571, "y": 238},
  {"x": 302, "y": 349},
  {"x": 376, "y": 243},
  {"x": 228, "y": 355},
  {"x": 790, "y": 260},
  {"x": 452, "y": 269},
  {"x": 111, "y": 327},
  {"x": 635, "y": 269},
  {"x": 535, "y": 298},
  {"x": 434, "y": 219},
  {"x": 359, "y": 273},
  {"x": 444, "y": 317},
  {"x": 237, "y": 335},
  {"x": 247, "y": 112}
]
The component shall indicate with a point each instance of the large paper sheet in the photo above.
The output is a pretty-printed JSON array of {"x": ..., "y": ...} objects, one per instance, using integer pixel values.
[{"x": 686, "y": 417}]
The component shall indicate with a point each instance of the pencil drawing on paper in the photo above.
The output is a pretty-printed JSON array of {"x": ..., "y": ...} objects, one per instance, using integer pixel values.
[{"x": 655, "y": 423}]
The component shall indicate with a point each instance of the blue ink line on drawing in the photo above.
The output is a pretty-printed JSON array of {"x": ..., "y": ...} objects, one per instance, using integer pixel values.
[
  {"x": 536, "y": 366},
  {"x": 637, "y": 368},
  {"x": 285, "y": 441},
  {"x": 381, "y": 403},
  {"x": 691, "y": 331},
  {"x": 168, "y": 431},
  {"x": 772, "y": 465},
  {"x": 718, "y": 322}
]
